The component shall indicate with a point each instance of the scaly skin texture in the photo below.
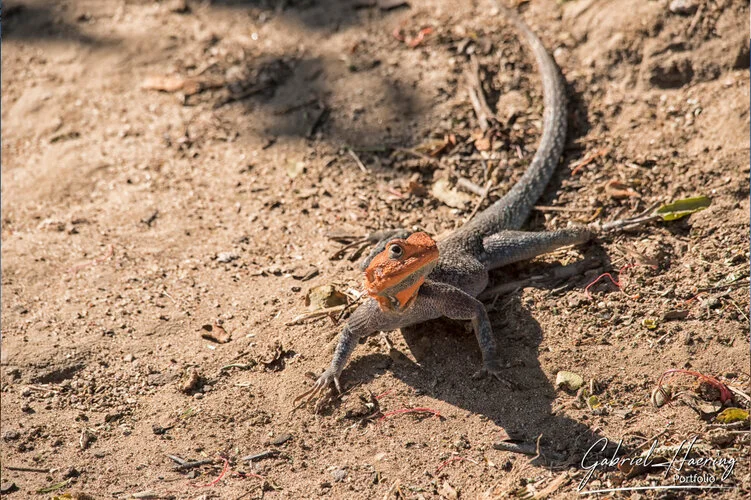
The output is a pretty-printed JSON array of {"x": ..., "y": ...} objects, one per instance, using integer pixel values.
[{"x": 490, "y": 240}]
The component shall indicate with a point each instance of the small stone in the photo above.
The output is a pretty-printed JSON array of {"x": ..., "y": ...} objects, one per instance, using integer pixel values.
[
  {"x": 339, "y": 475},
  {"x": 26, "y": 392},
  {"x": 281, "y": 439},
  {"x": 128, "y": 358},
  {"x": 26, "y": 408},
  {"x": 179, "y": 7},
  {"x": 226, "y": 257},
  {"x": 8, "y": 487},
  {"x": 683, "y": 7},
  {"x": 111, "y": 417},
  {"x": 71, "y": 472},
  {"x": 11, "y": 435},
  {"x": 198, "y": 395}
]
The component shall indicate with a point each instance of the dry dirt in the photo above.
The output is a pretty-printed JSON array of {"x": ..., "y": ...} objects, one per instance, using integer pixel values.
[{"x": 132, "y": 217}]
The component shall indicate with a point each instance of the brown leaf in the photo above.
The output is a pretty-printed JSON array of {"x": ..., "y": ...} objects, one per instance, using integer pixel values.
[
  {"x": 324, "y": 296},
  {"x": 619, "y": 190},
  {"x": 188, "y": 86},
  {"x": 417, "y": 189},
  {"x": 675, "y": 315},
  {"x": 449, "y": 196},
  {"x": 215, "y": 333}
]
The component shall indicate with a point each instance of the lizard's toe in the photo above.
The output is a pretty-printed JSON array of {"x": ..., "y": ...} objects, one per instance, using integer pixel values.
[
  {"x": 326, "y": 380},
  {"x": 495, "y": 370}
]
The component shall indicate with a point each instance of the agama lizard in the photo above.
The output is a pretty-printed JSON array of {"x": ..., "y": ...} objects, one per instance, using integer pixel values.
[{"x": 414, "y": 279}]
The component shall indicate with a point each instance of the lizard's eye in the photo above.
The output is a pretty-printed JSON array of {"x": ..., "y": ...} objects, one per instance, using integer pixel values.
[{"x": 395, "y": 251}]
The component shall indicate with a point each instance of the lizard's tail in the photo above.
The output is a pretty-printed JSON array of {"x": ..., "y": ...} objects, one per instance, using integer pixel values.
[{"x": 512, "y": 210}]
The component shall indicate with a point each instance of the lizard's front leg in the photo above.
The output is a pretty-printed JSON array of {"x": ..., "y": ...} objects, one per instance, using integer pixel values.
[
  {"x": 453, "y": 303},
  {"x": 367, "y": 319}
]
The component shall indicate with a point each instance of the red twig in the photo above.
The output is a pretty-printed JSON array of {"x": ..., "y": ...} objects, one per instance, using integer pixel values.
[
  {"x": 610, "y": 276},
  {"x": 221, "y": 476},
  {"x": 93, "y": 262},
  {"x": 725, "y": 394},
  {"x": 453, "y": 459},
  {"x": 420, "y": 37},
  {"x": 410, "y": 410},
  {"x": 246, "y": 475},
  {"x": 384, "y": 394}
]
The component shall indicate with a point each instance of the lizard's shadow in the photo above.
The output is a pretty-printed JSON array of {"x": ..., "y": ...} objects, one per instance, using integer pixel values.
[{"x": 446, "y": 355}]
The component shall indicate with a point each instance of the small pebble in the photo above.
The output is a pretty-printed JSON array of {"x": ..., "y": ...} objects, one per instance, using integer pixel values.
[
  {"x": 339, "y": 475},
  {"x": 226, "y": 257},
  {"x": 71, "y": 472},
  {"x": 128, "y": 358},
  {"x": 683, "y": 7},
  {"x": 281, "y": 439},
  {"x": 11, "y": 435}
]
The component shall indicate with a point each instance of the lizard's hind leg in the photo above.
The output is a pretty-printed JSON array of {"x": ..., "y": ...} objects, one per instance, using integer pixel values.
[{"x": 508, "y": 247}]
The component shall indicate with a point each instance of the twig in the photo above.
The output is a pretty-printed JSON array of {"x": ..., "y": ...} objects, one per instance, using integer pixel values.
[
  {"x": 558, "y": 273},
  {"x": 357, "y": 160},
  {"x": 410, "y": 410},
  {"x": 242, "y": 95},
  {"x": 653, "y": 438},
  {"x": 384, "y": 394},
  {"x": 477, "y": 96},
  {"x": 237, "y": 365},
  {"x": 151, "y": 218},
  {"x": 537, "y": 447},
  {"x": 319, "y": 119},
  {"x": 192, "y": 465},
  {"x": 261, "y": 456},
  {"x": 524, "y": 449},
  {"x": 695, "y": 20},
  {"x": 545, "y": 208},
  {"x": 216, "y": 481},
  {"x": 176, "y": 459},
  {"x": 734, "y": 425},
  {"x": 470, "y": 186},
  {"x": 480, "y": 201},
  {"x": 320, "y": 313},
  {"x": 610, "y": 277},
  {"x": 740, "y": 393},
  {"x": 340, "y": 253},
  {"x": 25, "y": 469},
  {"x": 578, "y": 165}
]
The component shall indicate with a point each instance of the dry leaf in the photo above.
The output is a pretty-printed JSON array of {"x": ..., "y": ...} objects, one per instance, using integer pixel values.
[
  {"x": 618, "y": 190},
  {"x": 215, "y": 333},
  {"x": 449, "y": 196},
  {"x": 188, "y": 86}
]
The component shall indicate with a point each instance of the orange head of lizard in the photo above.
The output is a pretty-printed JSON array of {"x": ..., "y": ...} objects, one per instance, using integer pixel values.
[{"x": 395, "y": 275}]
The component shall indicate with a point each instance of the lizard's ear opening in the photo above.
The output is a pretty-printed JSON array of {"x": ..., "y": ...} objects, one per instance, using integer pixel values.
[{"x": 395, "y": 251}]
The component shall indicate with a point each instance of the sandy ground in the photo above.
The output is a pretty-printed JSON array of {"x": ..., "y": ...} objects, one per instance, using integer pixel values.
[{"x": 136, "y": 219}]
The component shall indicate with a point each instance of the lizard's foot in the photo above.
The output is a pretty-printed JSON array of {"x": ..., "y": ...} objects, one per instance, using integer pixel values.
[
  {"x": 495, "y": 370},
  {"x": 326, "y": 380}
]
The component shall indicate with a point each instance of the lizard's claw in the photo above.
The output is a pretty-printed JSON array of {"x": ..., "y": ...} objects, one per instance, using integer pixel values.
[
  {"x": 327, "y": 379},
  {"x": 493, "y": 369}
]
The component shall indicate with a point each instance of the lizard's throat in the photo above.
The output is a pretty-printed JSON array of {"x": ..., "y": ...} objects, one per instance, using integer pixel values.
[{"x": 399, "y": 300}]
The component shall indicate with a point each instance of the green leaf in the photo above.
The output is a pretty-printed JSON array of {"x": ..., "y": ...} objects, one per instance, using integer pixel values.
[
  {"x": 682, "y": 208},
  {"x": 54, "y": 487},
  {"x": 730, "y": 415}
]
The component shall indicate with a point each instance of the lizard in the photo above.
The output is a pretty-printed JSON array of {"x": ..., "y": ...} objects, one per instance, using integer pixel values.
[{"x": 410, "y": 278}]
